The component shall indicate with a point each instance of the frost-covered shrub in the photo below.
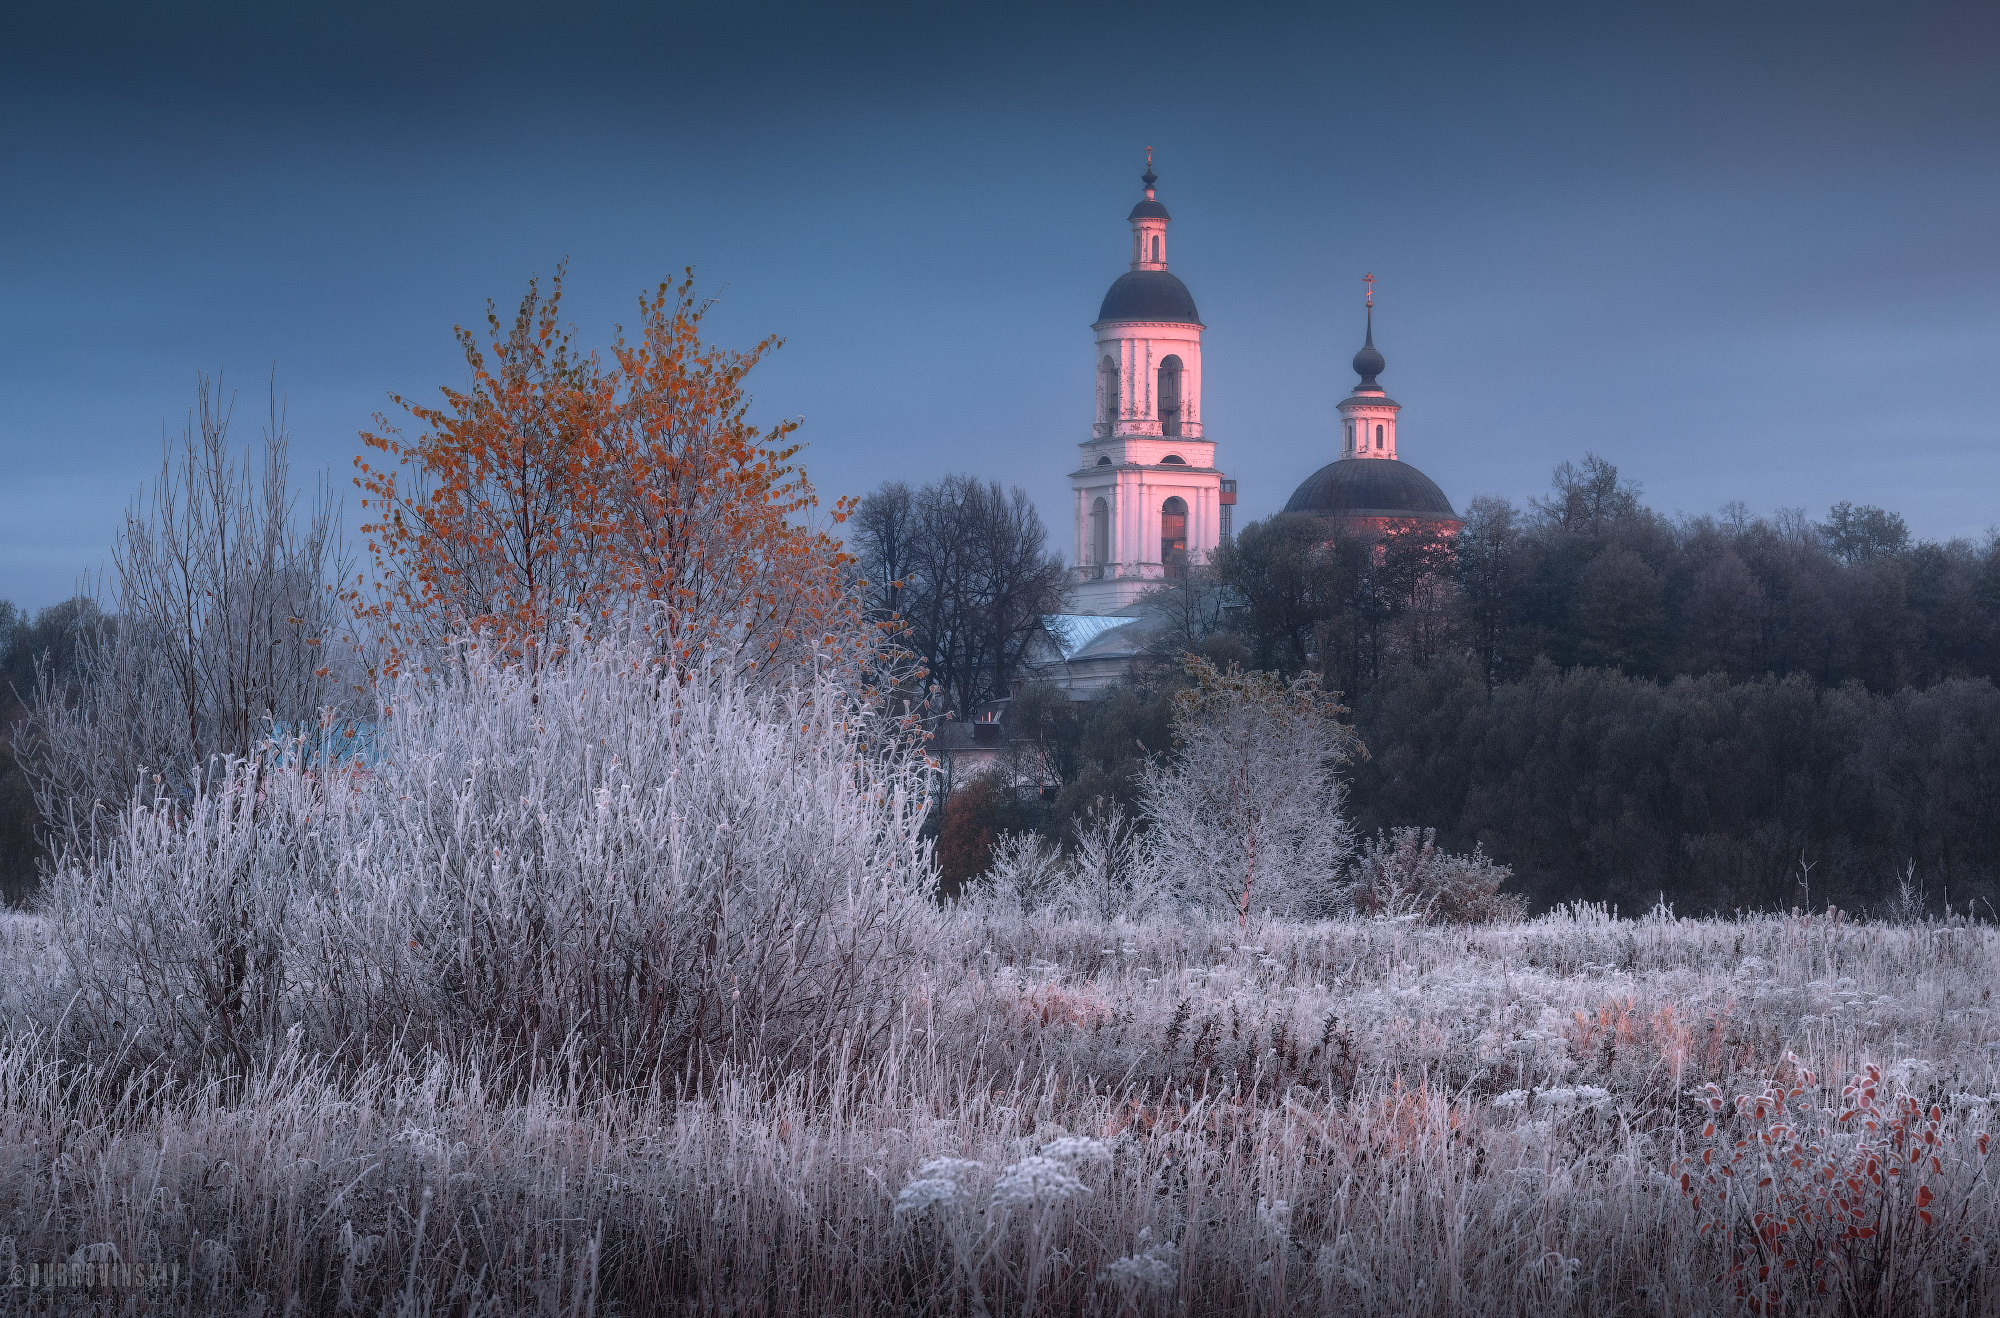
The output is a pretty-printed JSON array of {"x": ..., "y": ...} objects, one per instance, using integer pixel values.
[
  {"x": 181, "y": 940},
  {"x": 1027, "y": 1201},
  {"x": 1402, "y": 874},
  {"x": 632, "y": 870},
  {"x": 1246, "y": 815},
  {"x": 1112, "y": 873},
  {"x": 1027, "y": 873},
  {"x": 1109, "y": 874},
  {"x": 1154, "y": 1269},
  {"x": 1856, "y": 1199}
]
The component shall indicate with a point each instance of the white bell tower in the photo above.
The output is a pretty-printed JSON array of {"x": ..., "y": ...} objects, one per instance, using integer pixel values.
[{"x": 1149, "y": 499}]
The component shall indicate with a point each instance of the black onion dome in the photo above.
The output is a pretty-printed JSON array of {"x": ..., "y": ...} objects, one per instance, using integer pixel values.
[
  {"x": 1148, "y": 209},
  {"x": 1149, "y": 295},
  {"x": 1368, "y": 362},
  {"x": 1370, "y": 487}
]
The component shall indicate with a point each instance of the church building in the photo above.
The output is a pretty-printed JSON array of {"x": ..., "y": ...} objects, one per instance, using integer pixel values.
[
  {"x": 1150, "y": 499},
  {"x": 1368, "y": 491}
]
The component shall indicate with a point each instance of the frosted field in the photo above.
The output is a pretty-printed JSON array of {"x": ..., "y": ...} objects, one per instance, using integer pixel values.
[
  {"x": 621, "y": 990},
  {"x": 1162, "y": 1117}
]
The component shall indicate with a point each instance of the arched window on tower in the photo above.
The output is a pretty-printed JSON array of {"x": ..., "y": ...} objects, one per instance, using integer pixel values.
[
  {"x": 1170, "y": 397},
  {"x": 1100, "y": 538},
  {"x": 1378, "y": 439},
  {"x": 1107, "y": 394},
  {"x": 1350, "y": 437},
  {"x": 1156, "y": 247},
  {"x": 1173, "y": 537}
]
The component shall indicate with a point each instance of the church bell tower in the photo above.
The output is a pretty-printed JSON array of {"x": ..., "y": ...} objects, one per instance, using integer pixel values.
[
  {"x": 1368, "y": 415},
  {"x": 1149, "y": 499}
]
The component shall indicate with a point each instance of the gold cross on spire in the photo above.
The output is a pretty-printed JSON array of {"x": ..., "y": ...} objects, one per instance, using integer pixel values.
[
  {"x": 1149, "y": 157},
  {"x": 1369, "y": 279}
]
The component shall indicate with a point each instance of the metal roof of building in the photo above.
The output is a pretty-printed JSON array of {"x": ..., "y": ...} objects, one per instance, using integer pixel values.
[
  {"x": 1370, "y": 487},
  {"x": 1073, "y": 631},
  {"x": 1149, "y": 295}
]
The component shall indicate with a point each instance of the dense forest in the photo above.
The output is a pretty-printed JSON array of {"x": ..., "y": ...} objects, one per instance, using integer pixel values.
[
  {"x": 1710, "y": 795},
  {"x": 1588, "y": 576},
  {"x": 1719, "y": 712}
]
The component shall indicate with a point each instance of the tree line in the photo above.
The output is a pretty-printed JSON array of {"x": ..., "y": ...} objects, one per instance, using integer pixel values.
[
  {"x": 1712, "y": 795},
  {"x": 1721, "y": 711},
  {"x": 1724, "y": 710},
  {"x": 1588, "y": 576}
]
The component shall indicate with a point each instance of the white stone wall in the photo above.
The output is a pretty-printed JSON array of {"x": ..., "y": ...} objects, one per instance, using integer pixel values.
[
  {"x": 1149, "y": 244},
  {"x": 1136, "y": 485},
  {"x": 1138, "y": 348}
]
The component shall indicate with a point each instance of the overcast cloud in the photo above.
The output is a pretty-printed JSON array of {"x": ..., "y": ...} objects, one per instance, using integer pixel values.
[{"x": 1743, "y": 251}]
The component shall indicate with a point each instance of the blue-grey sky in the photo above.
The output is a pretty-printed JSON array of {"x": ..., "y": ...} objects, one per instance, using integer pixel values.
[{"x": 1746, "y": 251}]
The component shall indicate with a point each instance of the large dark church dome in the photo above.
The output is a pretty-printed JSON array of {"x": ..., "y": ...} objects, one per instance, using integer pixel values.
[
  {"x": 1371, "y": 487},
  {"x": 1149, "y": 295}
]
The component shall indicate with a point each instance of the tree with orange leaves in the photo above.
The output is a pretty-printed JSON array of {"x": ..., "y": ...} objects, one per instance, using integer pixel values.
[
  {"x": 702, "y": 502},
  {"x": 558, "y": 489}
]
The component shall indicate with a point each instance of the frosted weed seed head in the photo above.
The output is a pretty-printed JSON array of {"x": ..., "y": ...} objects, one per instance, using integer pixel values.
[
  {"x": 1036, "y": 1181},
  {"x": 1077, "y": 1148},
  {"x": 927, "y": 1193}
]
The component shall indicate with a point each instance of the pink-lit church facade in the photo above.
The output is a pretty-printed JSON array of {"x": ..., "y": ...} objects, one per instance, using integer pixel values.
[{"x": 1149, "y": 497}]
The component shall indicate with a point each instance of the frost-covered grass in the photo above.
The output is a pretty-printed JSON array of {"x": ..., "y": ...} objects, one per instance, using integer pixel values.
[
  {"x": 608, "y": 991},
  {"x": 1087, "y": 1117},
  {"x": 26, "y": 960}
]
